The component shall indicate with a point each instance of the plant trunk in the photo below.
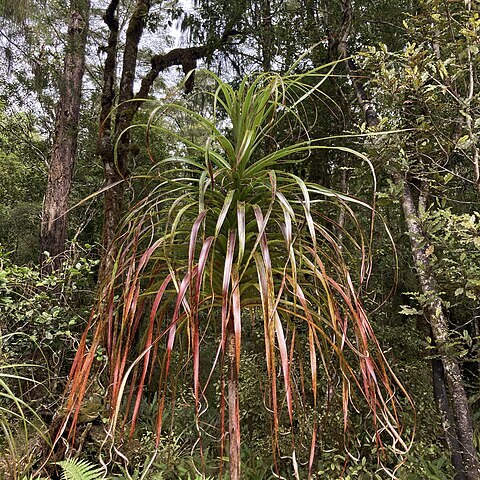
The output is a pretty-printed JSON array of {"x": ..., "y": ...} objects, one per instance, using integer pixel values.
[
  {"x": 233, "y": 406},
  {"x": 112, "y": 214},
  {"x": 266, "y": 35},
  {"x": 105, "y": 141},
  {"x": 54, "y": 217},
  {"x": 436, "y": 316},
  {"x": 115, "y": 163},
  {"x": 448, "y": 422}
]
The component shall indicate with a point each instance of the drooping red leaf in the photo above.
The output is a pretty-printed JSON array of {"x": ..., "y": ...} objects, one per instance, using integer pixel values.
[{"x": 148, "y": 346}]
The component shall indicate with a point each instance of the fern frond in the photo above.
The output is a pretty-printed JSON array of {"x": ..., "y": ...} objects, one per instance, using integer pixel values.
[{"x": 75, "y": 469}]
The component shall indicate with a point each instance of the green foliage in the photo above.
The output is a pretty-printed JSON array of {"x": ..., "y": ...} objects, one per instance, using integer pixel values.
[
  {"x": 426, "y": 462},
  {"x": 22, "y": 181},
  {"x": 430, "y": 87},
  {"x": 455, "y": 252},
  {"x": 20, "y": 423},
  {"x": 41, "y": 318},
  {"x": 47, "y": 310},
  {"x": 17, "y": 12},
  {"x": 75, "y": 469},
  {"x": 455, "y": 255}
]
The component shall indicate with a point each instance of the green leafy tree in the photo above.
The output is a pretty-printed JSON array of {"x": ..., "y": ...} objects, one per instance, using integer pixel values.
[
  {"x": 22, "y": 181},
  {"x": 430, "y": 90}
]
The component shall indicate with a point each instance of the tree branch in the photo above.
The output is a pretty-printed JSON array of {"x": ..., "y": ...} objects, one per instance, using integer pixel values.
[
  {"x": 367, "y": 106},
  {"x": 184, "y": 57}
]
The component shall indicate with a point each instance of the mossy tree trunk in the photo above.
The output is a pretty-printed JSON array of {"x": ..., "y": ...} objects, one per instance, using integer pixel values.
[
  {"x": 437, "y": 318},
  {"x": 448, "y": 422},
  {"x": 54, "y": 216}
]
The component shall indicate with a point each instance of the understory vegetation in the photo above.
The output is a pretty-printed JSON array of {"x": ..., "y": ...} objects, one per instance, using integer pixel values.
[{"x": 37, "y": 355}]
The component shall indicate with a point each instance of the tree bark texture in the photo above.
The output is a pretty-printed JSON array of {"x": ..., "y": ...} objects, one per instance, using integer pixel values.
[
  {"x": 54, "y": 216},
  {"x": 115, "y": 167},
  {"x": 266, "y": 35},
  {"x": 436, "y": 316},
  {"x": 441, "y": 398}
]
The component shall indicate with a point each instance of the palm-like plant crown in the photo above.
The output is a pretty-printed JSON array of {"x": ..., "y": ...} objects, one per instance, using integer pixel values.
[{"x": 225, "y": 230}]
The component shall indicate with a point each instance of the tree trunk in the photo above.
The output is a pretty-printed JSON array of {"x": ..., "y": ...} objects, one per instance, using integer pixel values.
[
  {"x": 54, "y": 217},
  {"x": 363, "y": 100},
  {"x": 266, "y": 35},
  {"x": 448, "y": 422},
  {"x": 436, "y": 316},
  {"x": 105, "y": 141},
  {"x": 434, "y": 310},
  {"x": 233, "y": 406},
  {"x": 116, "y": 166}
]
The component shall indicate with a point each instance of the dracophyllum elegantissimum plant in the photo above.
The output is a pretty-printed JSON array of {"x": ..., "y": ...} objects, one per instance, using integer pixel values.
[{"x": 227, "y": 231}]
